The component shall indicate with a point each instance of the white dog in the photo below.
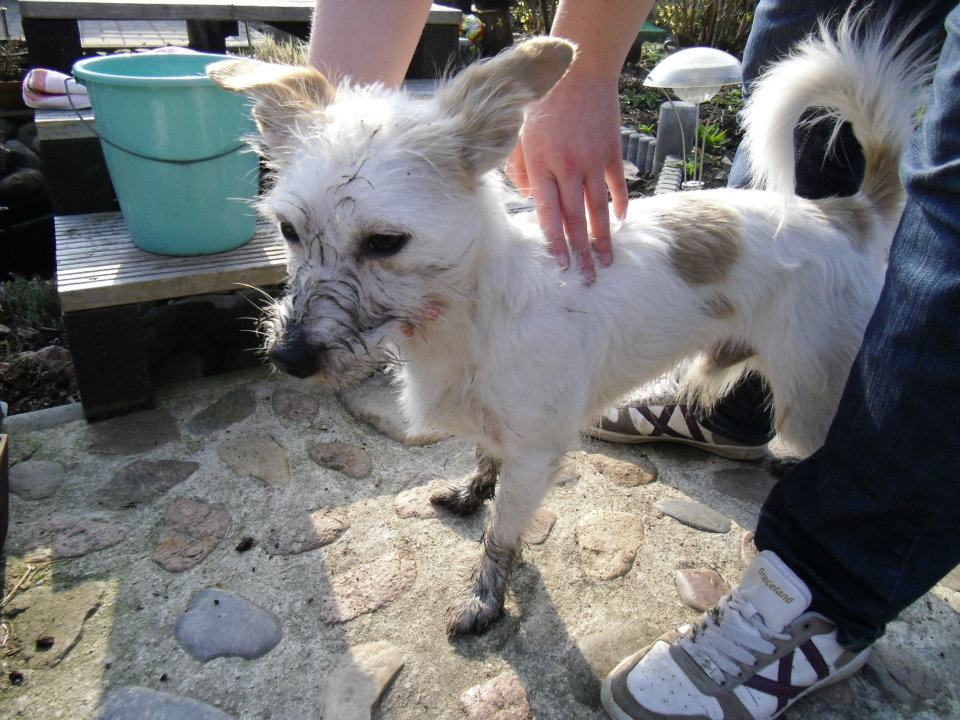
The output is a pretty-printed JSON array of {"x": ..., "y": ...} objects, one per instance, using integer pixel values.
[{"x": 400, "y": 247}]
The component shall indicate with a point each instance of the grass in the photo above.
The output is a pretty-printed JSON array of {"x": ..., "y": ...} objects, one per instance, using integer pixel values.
[
  {"x": 293, "y": 52},
  {"x": 29, "y": 302}
]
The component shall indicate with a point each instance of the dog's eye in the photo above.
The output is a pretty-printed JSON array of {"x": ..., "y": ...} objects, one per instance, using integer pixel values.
[
  {"x": 383, "y": 244},
  {"x": 289, "y": 232}
]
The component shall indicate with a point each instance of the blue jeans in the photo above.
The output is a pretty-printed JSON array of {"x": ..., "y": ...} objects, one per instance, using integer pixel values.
[{"x": 870, "y": 520}]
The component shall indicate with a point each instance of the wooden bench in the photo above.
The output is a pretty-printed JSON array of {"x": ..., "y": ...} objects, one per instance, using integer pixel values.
[
  {"x": 101, "y": 278},
  {"x": 53, "y": 35}
]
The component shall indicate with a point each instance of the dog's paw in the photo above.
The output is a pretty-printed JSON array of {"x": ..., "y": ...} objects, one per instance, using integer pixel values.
[
  {"x": 472, "y": 616},
  {"x": 458, "y": 499}
]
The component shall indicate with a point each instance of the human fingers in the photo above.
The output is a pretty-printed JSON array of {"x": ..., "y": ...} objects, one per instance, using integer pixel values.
[
  {"x": 598, "y": 211},
  {"x": 547, "y": 202},
  {"x": 575, "y": 224},
  {"x": 618, "y": 188},
  {"x": 517, "y": 171}
]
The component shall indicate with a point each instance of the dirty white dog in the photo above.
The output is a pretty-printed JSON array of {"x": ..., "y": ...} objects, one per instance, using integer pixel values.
[{"x": 400, "y": 247}]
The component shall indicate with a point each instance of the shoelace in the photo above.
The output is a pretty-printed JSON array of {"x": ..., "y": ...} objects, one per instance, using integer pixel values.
[
  {"x": 732, "y": 632},
  {"x": 662, "y": 391}
]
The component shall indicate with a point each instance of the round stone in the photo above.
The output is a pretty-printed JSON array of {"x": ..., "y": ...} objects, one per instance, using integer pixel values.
[
  {"x": 608, "y": 542},
  {"x": 143, "y": 481},
  {"x": 191, "y": 531},
  {"x": 375, "y": 401},
  {"x": 368, "y": 587},
  {"x": 592, "y": 656},
  {"x": 132, "y": 434},
  {"x": 502, "y": 698},
  {"x": 700, "y": 588},
  {"x": 354, "y": 687},
  {"x": 305, "y": 532},
  {"x": 625, "y": 474},
  {"x": 748, "y": 551},
  {"x": 220, "y": 624},
  {"x": 36, "y": 479},
  {"x": 540, "y": 527},
  {"x": 349, "y": 459},
  {"x": 259, "y": 457},
  {"x": 69, "y": 537},
  {"x": 139, "y": 703},
  {"x": 49, "y": 622},
  {"x": 415, "y": 502},
  {"x": 695, "y": 515},
  {"x": 233, "y": 407},
  {"x": 293, "y": 405}
]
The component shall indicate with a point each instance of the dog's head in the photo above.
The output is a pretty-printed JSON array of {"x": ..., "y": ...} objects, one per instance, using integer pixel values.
[{"x": 377, "y": 195}]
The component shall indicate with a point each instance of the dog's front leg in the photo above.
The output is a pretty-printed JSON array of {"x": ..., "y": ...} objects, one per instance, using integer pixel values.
[
  {"x": 466, "y": 498},
  {"x": 523, "y": 484}
]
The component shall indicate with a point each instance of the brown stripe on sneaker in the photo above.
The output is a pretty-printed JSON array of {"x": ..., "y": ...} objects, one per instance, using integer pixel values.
[
  {"x": 705, "y": 239},
  {"x": 692, "y": 425},
  {"x": 727, "y": 353},
  {"x": 815, "y": 659}
]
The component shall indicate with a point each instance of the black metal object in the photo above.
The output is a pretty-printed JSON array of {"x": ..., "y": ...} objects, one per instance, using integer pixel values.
[
  {"x": 52, "y": 43},
  {"x": 109, "y": 359},
  {"x": 211, "y": 35},
  {"x": 77, "y": 177},
  {"x": 437, "y": 53}
]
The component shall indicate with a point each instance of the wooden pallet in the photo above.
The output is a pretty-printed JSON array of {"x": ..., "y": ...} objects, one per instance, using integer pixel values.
[{"x": 98, "y": 265}]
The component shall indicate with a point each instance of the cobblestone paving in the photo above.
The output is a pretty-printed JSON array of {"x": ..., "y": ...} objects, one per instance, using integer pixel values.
[{"x": 250, "y": 550}]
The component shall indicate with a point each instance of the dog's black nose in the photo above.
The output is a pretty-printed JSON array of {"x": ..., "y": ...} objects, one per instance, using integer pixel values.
[{"x": 293, "y": 355}]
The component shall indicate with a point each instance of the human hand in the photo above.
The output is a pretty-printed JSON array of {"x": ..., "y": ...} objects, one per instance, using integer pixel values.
[{"x": 567, "y": 157}]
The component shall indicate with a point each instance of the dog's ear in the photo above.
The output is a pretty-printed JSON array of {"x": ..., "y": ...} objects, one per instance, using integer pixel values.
[
  {"x": 486, "y": 100},
  {"x": 282, "y": 94}
]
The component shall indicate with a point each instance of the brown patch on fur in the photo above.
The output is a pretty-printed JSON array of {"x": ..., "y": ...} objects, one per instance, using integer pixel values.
[
  {"x": 281, "y": 92},
  {"x": 881, "y": 182},
  {"x": 851, "y": 216},
  {"x": 705, "y": 239},
  {"x": 718, "y": 306},
  {"x": 727, "y": 353},
  {"x": 487, "y": 99}
]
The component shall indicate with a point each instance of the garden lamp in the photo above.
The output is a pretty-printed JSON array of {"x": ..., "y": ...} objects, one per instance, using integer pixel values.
[{"x": 695, "y": 75}]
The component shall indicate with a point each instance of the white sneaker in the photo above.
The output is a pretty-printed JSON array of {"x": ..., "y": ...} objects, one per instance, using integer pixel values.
[{"x": 750, "y": 658}]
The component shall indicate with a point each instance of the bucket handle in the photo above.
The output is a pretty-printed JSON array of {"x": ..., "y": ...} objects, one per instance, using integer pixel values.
[{"x": 134, "y": 153}]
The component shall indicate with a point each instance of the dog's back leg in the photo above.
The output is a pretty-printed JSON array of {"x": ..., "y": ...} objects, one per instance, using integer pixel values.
[
  {"x": 466, "y": 498},
  {"x": 524, "y": 481}
]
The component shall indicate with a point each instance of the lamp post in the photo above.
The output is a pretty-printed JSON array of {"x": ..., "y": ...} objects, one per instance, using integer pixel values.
[{"x": 695, "y": 75}]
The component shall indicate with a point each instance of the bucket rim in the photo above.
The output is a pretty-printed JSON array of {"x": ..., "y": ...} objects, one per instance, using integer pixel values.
[{"x": 84, "y": 70}]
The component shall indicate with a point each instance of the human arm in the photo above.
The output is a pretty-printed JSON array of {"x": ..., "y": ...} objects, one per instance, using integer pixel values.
[
  {"x": 569, "y": 149},
  {"x": 367, "y": 40}
]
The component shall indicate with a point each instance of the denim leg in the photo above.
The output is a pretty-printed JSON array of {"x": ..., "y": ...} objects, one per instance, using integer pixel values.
[{"x": 870, "y": 521}]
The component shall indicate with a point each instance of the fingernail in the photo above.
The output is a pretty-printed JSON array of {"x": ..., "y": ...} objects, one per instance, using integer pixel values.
[
  {"x": 589, "y": 277},
  {"x": 563, "y": 261},
  {"x": 605, "y": 258}
]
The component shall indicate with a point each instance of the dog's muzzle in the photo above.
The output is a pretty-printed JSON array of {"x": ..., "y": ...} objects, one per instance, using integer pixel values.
[{"x": 292, "y": 354}]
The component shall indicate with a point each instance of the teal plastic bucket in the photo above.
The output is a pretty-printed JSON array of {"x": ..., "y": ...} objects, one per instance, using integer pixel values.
[{"x": 173, "y": 142}]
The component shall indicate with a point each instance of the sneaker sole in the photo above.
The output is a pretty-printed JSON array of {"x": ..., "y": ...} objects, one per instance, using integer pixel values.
[
  {"x": 732, "y": 452},
  {"x": 851, "y": 668}
]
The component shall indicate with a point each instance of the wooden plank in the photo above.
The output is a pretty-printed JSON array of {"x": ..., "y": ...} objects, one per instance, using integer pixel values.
[
  {"x": 110, "y": 361},
  {"x": 282, "y": 10},
  {"x": 98, "y": 266}
]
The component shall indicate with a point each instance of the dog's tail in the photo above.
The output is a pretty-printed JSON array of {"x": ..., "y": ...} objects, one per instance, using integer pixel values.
[{"x": 871, "y": 75}]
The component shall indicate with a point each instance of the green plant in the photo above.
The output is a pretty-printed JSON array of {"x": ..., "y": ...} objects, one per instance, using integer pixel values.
[
  {"x": 711, "y": 136},
  {"x": 533, "y": 17},
  {"x": 29, "y": 302},
  {"x": 13, "y": 59},
  {"x": 287, "y": 53},
  {"x": 721, "y": 24}
]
